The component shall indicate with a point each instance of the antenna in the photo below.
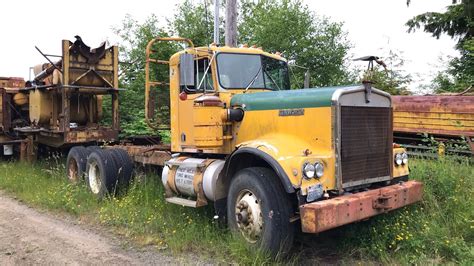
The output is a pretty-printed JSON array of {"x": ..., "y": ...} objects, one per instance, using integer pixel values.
[{"x": 216, "y": 22}]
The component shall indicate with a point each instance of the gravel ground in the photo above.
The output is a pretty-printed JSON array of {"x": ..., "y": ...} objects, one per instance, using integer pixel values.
[{"x": 28, "y": 236}]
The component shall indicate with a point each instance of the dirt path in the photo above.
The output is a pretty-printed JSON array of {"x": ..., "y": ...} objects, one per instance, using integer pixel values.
[{"x": 31, "y": 237}]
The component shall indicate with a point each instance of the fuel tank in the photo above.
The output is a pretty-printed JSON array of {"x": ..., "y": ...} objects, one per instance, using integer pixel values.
[{"x": 182, "y": 174}]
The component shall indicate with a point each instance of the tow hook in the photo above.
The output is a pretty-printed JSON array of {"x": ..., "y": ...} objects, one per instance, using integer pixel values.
[{"x": 382, "y": 203}]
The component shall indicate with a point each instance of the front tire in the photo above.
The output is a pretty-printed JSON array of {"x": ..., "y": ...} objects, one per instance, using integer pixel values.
[{"x": 260, "y": 210}]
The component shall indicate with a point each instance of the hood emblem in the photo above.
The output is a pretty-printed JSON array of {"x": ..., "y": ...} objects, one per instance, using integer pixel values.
[
  {"x": 291, "y": 112},
  {"x": 368, "y": 76}
]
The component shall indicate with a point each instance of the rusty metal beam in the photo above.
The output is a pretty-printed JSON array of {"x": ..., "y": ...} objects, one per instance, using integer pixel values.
[
  {"x": 327, "y": 214},
  {"x": 154, "y": 154}
]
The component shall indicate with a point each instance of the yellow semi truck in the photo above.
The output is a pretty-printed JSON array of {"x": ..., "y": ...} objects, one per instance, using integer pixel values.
[{"x": 269, "y": 158}]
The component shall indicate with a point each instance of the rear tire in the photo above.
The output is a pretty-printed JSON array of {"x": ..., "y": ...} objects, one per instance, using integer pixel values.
[
  {"x": 124, "y": 167},
  {"x": 101, "y": 173},
  {"x": 93, "y": 148},
  {"x": 260, "y": 209},
  {"x": 76, "y": 164}
]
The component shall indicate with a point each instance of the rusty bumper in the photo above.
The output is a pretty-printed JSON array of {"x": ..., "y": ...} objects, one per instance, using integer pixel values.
[{"x": 327, "y": 214}]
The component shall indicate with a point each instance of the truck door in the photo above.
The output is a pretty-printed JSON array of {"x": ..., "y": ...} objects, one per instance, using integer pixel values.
[{"x": 203, "y": 84}]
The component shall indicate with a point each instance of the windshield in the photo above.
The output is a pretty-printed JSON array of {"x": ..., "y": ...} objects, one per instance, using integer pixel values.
[{"x": 242, "y": 71}]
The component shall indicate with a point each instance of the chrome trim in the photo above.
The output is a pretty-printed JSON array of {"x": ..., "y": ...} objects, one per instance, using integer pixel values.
[
  {"x": 336, "y": 132},
  {"x": 366, "y": 181},
  {"x": 338, "y": 93}
]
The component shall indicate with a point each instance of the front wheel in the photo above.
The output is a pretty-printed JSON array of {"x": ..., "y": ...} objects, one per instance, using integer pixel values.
[{"x": 259, "y": 209}]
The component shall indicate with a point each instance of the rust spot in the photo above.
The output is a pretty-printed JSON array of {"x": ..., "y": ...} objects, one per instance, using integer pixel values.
[
  {"x": 154, "y": 155},
  {"x": 327, "y": 214},
  {"x": 442, "y": 114}
]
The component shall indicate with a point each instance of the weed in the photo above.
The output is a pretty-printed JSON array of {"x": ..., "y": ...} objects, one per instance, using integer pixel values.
[{"x": 438, "y": 230}]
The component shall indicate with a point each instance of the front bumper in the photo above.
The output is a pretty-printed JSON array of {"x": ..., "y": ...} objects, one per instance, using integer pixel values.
[{"x": 327, "y": 214}]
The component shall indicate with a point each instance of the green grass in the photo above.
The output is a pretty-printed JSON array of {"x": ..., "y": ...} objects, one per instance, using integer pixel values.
[
  {"x": 438, "y": 230},
  {"x": 142, "y": 214}
]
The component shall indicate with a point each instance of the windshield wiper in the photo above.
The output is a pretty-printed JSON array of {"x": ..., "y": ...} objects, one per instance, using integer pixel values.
[{"x": 253, "y": 80}]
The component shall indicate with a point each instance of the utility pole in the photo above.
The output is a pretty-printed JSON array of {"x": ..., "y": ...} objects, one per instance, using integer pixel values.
[
  {"x": 231, "y": 23},
  {"x": 216, "y": 22}
]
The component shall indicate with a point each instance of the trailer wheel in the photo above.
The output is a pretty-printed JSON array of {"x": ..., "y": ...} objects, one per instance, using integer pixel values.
[
  {"x": 93, "y": 148},
  {"x": 124, "y": 167},
  {"x": 259, "y": 209},
  {"x": 101, "y": 173},
  {"x": 76, "y": 163}
]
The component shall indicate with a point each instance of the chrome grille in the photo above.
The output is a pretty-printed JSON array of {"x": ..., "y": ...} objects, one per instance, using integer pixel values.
[{"x": 366, "y": 144}]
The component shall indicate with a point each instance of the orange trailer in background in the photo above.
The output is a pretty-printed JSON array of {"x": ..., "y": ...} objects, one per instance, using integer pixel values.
[{"x": 445, "y": 117}]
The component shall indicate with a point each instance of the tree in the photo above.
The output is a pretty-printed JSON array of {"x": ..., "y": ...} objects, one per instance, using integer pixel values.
[
  {"x": 305, "y": 39},
  {"x": 195, "y": 21},
  {"x": 286, "y": 26},
  {"x": 458, "y": 23},
  {"x": 134, "y": 38}
]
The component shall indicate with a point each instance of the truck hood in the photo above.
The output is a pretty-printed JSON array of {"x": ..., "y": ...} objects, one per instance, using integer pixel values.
[{"x": 287, "y": 99}]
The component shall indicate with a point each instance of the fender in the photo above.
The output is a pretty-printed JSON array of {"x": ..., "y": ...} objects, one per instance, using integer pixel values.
[{"x": 285, "y": 181}]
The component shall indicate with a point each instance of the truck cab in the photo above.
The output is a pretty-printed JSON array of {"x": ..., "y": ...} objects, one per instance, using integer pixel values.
[{"x": 269, "y": 156}]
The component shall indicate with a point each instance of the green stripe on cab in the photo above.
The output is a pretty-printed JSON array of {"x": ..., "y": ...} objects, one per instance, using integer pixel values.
[{"x": 287, "y": 99}]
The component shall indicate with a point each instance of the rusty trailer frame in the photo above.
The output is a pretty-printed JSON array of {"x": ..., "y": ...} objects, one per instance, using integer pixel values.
[{"x": 156, "y": 155}]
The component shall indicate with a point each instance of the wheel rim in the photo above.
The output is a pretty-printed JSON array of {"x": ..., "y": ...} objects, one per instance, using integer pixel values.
[
  {"x": 248, "y": 214},
  {"x": 72, "y": 171},
  {"x": 95, "y": 182}
]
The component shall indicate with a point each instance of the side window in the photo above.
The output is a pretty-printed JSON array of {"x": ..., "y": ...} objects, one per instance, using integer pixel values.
[
  {"x": 203, "y": 76},
  {"x": 203, "y": 81},
  {"x": 275, "y": 74}
]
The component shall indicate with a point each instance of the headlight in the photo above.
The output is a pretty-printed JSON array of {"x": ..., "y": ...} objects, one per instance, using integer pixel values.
[
  {"x": 404, "y": 158},
  {"x": 398, "y": 159},
  {"x": 308, "y": 170},
  {"x": 319, "y": 168}
]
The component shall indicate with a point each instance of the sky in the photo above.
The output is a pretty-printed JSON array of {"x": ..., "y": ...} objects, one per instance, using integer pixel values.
[{"x": 374, "y": 27}]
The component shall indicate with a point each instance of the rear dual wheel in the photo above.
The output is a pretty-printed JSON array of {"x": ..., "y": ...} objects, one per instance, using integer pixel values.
[
  {"x": 76, "y": 162},
  {"x": 108, "y": 171},
  {"x": 105, "y": 171},
  {"x": 101, "y": 173},
  {"x": 124, "y": 168}
]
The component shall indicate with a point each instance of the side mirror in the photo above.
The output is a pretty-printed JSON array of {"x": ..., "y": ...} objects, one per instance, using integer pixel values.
[
  {"x": 186, "y": 70},
  {"x": 307, "y": 77}
]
